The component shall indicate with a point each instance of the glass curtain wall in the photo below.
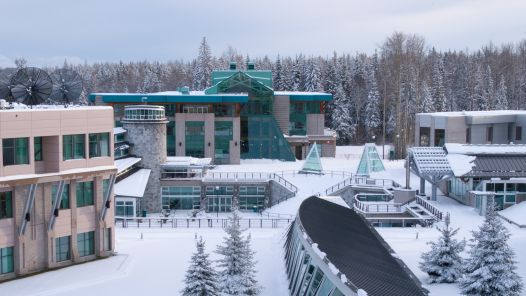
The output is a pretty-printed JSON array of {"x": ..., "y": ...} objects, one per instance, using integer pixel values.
[
  {"x": 195, "y": 139},
  {"x": 181, "y": 197},
  {"x": 223, "y": 136},
  {"x": 219, "y": 198},
  {"x": 251, "y": 197},
  {"x": 170, "y": 138}
]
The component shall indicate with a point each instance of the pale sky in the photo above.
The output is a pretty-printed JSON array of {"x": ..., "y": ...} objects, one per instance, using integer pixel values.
[{"x": 47, "y": 32}]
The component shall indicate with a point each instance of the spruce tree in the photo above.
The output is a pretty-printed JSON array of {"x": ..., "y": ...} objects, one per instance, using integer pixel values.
[
  {"x": 341, "y": 120},
  {"x": 427, "y": 99},
  {"x": 237, "y": 273},
  {"x": 501, "y": 100},
  {"x": 443, "y": 263},
  {"x": 490, "y": 269},
  {"x": 372, "y": 107},
  {"x": 439, "y": 93},
  {"x": 203, "y": 67},
  {"x": 200, "y": 278}
]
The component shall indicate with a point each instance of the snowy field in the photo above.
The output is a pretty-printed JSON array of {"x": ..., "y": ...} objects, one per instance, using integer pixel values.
[{"x": 156, "y": 264}]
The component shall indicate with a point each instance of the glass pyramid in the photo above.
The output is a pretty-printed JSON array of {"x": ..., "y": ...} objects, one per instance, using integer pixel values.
[
  {"x": 370, "y": 161},
  {"x": 312, "y": 163}
]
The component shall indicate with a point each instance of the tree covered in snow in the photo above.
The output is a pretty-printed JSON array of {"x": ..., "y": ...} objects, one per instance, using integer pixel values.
[
  {"x": 427, "y": 99},
  {"x": 341, "y": 120},
  {"x": 237, "y": 275},
  {"x": 203, "y": 67},
  {"x": 501, "y": 101},
  {"x": 200, "y": 278},
  {"x": 443, "y": 262},
  {"x": 490, "y": 269},
  {"x": 312, "y": 76},
  {"x": 372, "y": 107},
  {"x": 439, "y": 93},
  {"x": 278, "y": 77}
]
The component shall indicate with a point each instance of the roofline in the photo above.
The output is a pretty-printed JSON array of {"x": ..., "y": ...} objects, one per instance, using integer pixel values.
[{"x": 156, "y": 98}]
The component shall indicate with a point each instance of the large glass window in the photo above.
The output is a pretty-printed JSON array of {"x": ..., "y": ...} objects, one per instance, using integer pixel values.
[
  {"x": 73, "y": 147},
  {"x": 223, "y": 110},
  {"x": 6, "y": 205},
  {"x": 518, "y": 133},
  {"x": 425, "y": 133},
  {"x": 440, "y": 137},
  {"x": 63, "y": 248},
  {"x": 489, "y": 134},
  {"x": 64, "y": 200},
  {"x": 38, "y": 148},
  {"x": 6, "y": 260},
  {"x": 219, "y": 198},
  {"x": 223, "y": 136},
  {"x": 251, "y": 197},
  {"x": 181, "y": 197},
  {"x": 15, "y": 151},
  {"x": 84, "y": 194},
  {"x": 170, "y": 138},
  {"x": 86, "y": 243},
  {"x": 195, "y": 138},
  {"x": 124, "y": 208},
  {"x": 99, "y": 145}
]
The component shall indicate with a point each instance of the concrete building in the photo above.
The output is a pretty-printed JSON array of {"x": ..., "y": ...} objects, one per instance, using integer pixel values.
[
  {"x": 56, "y": 180},
  {"x": 470, "y": 127},
  {"x": 239, "y": 117}
]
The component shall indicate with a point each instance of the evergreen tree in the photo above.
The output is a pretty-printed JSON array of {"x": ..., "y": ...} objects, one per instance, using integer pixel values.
[
  {"x": 372, "y": 107},
  {"x": 278, "y": 75},
  {"x": 203, "y": 67},
  {"x": 490, "y": 88},
  {"x": 439, "y": 93},
  {"x": 427, "y": 99},
  {"x": 443, "y": 263},
  {"x": 490, "y": 269},
  {"x": 480, "y": 95},
  {"x": 237, "y": 274},
  {"x": 200, "y": 278},
  {"x": 341, "y": 120},
  {"x": 312, "y": 76},
  {"x": 501, "y": 100}
]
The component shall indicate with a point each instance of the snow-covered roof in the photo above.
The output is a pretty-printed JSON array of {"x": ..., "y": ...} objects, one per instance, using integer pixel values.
[
  {"x": 289, "y": 93},
  {"x": 495, "y": 149},
  {"x": 461, "y": 164},
  {"x": 476, "y": 113},
  {"x": 168, "y": 93},
  {"x": 336, "y": 199},
  {"x": 133, "y": 185},
  {"x": 431, "y": 160},
  {"x": 186, "y": 161},
  {"x": 126, "y": 163},
  {"x": 17, "y": 107},
  {"x": 119, "y": 130}
]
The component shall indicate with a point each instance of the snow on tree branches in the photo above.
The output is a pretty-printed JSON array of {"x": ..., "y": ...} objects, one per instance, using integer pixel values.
[{"x": 200, "y": 278}]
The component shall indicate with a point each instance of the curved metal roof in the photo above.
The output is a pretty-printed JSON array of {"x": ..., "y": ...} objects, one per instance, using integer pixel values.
[{"x": 356, "y": 249}]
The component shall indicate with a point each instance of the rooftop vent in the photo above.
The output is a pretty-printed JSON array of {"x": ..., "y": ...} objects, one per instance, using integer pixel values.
[
  {"x": 251, "y": 66},
  {"x": 233, "y": 65},
  {"x": 185, "y": 90}
]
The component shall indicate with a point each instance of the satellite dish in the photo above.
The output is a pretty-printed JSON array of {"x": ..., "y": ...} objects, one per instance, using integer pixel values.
[
  {"x": 67, "y": 86},
  {"x": 31, "y": 86},
  {"x": 5, "y": 84}
]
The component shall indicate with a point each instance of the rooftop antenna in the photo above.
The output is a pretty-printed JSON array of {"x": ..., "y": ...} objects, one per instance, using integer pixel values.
[
  {"x": 67, "y": 86},
  {"x": 5, "y": 84},
  {"x": 31, "y": 86}
]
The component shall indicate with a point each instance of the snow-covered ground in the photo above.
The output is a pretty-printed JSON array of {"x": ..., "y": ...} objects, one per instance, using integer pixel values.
[{"x": 157, "y": 263}]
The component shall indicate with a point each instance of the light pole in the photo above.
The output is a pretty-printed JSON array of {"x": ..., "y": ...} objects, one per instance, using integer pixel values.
[
  {"x": 374, "y": 140},
  {"x": 217, "y": 201},
  {"x": 397, "y": 146}
]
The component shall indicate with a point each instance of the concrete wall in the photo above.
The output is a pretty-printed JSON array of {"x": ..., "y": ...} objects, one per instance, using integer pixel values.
[
  {"x": 456, "y": 130},
  {"x": 315, "y": 124}
]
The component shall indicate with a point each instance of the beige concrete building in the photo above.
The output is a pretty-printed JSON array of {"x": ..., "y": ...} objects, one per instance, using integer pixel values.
[{"x": 56, "y": 188}]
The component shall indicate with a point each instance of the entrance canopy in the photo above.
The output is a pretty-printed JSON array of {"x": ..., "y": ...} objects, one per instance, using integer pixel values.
[{"x": 312, "y": 163}]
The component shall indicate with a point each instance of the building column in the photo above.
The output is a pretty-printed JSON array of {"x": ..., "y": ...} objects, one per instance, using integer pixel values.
[
  {"x": 422, "y": 191},
  {"x": 74, "y": 232}
]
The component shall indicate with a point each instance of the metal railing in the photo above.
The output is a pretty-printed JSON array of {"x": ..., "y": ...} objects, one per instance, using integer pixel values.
[
  {"x": 165, "y": 222},
  {"x": 181, "y": 175},
  {"x": 430, "y": 208},
  {"x": 377, "y": 207},
  {"x": 259, "y": 176},
  {"x": 360, "y": 180}
]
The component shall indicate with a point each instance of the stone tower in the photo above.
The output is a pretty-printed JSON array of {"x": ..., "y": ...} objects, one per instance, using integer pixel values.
[{"x": 146, "y": 126}]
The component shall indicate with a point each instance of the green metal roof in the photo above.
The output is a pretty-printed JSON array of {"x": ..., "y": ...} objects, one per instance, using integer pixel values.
[
  {"x": 239, "y": 82},
  {"x": 166, "y": 97},
  {"x": 262, "y": 76}
]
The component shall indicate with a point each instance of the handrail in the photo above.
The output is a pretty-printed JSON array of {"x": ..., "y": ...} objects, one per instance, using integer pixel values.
[
  {"x": 377, "y": 207},
  {"x": 167, "y": 222},
  {"x": 429, "y": 207},
  {"x": 361, "y": 180}
]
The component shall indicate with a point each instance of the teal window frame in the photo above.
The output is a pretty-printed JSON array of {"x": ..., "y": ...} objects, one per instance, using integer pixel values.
[
  {"x": 85, "y": 196},
  {"x": 180, "y": 197},
  {"x": 224, "y": 133},
  {"x": 64, "y": 199},
  {"x": 73, "y": 146},
  {"x": 6, "y": 204},
  {"x": 99, "y": 145},
  {"x": 124, "y": 208},
  {"x": 7, "y": 260},
  {"x": 86, "y": 243},
  {"x": 15, "y": 151},
  {"x": 63, "y": 248},
  {"x": 37, "y": 143}
]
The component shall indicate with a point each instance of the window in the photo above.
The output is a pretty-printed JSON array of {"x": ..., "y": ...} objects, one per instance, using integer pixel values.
[
  {"x": 440, "y": 137},
  {"x": 468, "y": 135},
  {"x": 170, "y": 138},
  {"x": 86, "y": 243},
  {"x": 223, "y": 110},
  {"x": 64, "y": 200},
  {"x": 16, "y": 151},
  {"x": 107, "y": 239},
  {"x": 518, "y": 133},
  {"x": 6, "y": 205},
  {"x": 105, "y": 186},
  {"x": 425, "y": 133},
  {"x": 84, "y": 194},
  {"x": 181, "y": 197},
  {"x": 73, "y": 147},
  {"x": 99, "y": 145},
  {"x": 6, "y": 260},
  {"x": 63, "y": 248},
  {"x": 489, "y": 134},
  {"x": 126, "y": 208},
  {"x": 223, "y": 136},
  {"x": 195, "y": 139},
  {"x": 38, "y": 148}
]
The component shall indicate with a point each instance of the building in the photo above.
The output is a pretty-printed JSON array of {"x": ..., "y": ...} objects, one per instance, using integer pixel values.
[
  {"x": 149, "y": 181},
  {"x": 472, "y": 173},
  {"x": 470, "y": 127},
  {"x": 239, "y": 117},
  {"x": 331, "y": 250},
  {"x": 56, "y": 179}
]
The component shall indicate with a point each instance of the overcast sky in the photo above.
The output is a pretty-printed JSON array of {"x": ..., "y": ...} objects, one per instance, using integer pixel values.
[{"x": 47, "y": 32}]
